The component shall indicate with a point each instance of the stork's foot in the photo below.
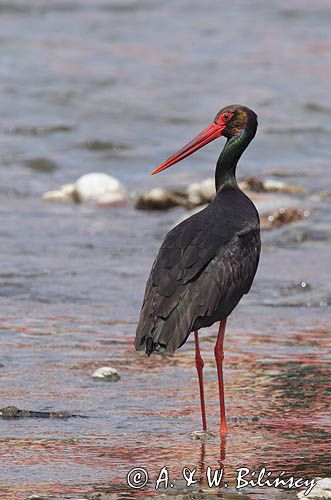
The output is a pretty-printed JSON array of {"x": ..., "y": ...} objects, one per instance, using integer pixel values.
[{"x": 202, "y": 435}]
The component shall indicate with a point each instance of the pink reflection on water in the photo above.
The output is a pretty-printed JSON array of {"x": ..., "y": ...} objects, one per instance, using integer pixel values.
[{"x": 276, "y": 397}]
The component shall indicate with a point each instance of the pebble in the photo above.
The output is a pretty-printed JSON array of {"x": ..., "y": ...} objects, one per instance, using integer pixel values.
[
  {"x": 106, "y": 373},
  {"x": 96, "y": 188},
  {"x": 201, "y": 435}
]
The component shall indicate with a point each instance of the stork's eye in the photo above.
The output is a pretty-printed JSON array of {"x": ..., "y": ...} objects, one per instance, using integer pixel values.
[{"x": 223, "y": 118}]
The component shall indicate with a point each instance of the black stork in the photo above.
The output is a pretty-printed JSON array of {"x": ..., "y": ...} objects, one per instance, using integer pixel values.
[{"x": 207, "y": 262}]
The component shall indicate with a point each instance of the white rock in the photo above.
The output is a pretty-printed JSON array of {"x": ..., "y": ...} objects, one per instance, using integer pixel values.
[
  {"x": 201, "y": 192},
  {"x": 98, "y": 188},
  {"x": 201, "y": 435},
  {"x": 274, "y": 185},
  {"x": 65, "y": 193},
  {"x": 277, "y": 185},
  {"x": 321, "y": 491},
  {"x": 106, "y": 373},
  {"x": 158, "y": 195}
]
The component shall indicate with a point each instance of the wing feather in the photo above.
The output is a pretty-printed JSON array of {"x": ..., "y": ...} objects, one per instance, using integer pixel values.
[{"x": 198, "y": 277}]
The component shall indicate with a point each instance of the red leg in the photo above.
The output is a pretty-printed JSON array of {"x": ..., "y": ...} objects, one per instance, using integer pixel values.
[
  {"x": 219, "y": 356},
  {"x": 200, "y": 364}
]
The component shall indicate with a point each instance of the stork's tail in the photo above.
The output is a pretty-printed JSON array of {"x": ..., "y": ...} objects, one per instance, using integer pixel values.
[
  {"x": 164, "y": 335},
  {"x": 150, "y": 346},
  {"x": 150, "y": 342}
]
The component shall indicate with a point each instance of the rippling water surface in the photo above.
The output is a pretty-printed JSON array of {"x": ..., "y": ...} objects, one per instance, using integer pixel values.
[{"x": 115, "y": 87}]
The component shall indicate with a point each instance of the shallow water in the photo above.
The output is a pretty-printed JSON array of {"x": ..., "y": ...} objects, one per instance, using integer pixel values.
[{"x": 115, "y": 87}]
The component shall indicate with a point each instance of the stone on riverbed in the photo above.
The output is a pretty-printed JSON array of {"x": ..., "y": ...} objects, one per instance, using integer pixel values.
[
  {"x": 202, "y": 192},
  {"x": 321, "y": 491},
  {"x": 37, "y": 497},
  {"x": 96, "y": 188},
  {"x": 269, "y": 186},
  {"x": 12, "y": 412},
  {"x": 283, "y": 216},
  {"x": 106, "y": 373},
  {"x": 201, "y": 435},
  {"x": 161, "y": 199}
]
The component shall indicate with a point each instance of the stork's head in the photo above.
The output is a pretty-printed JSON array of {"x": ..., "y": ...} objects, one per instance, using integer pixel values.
[{"x": 229, "y": 122}]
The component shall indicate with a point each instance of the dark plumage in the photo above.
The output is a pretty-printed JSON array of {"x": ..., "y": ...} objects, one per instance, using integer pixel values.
[
  {"x": 208, "y": 262},
  {"x": 201, "y": 272},
  {"x": 204, "y": 266}
]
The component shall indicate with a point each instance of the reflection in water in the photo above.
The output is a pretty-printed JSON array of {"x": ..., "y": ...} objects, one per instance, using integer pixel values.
[
  {"x": 201, "y": 465},
  {"x": 147, "y": 417}
]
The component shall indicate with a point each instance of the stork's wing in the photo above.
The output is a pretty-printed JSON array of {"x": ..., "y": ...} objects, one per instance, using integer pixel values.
[{"x": 199, "y": 267}]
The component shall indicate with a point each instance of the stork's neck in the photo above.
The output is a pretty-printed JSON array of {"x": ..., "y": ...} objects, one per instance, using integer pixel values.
[{"x": 225, "y": 174}]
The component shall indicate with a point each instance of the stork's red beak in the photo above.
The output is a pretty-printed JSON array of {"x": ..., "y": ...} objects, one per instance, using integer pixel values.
[{"x": 213, "y": 131}]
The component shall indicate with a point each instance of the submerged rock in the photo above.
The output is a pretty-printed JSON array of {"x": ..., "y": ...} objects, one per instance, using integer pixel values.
[
  {"x": 41, "y": 164},
  {"x": 12, "y": 412},
  {"x": 193, "y": 196},
  {"x": 161, "y": 199},
  {"x": 253, "y": 184},
  {"x": 283, "y": 216},
  {"x": 202, "y": 435},
  {"x": 272, "y": 185},
  {"x": 97, "y": 188},
  {"x": 106, "y": 373},
  {"x": 269, "y": 186},
  {"x": 99, "y": 145},
  {"x": 323, "y": 195}
]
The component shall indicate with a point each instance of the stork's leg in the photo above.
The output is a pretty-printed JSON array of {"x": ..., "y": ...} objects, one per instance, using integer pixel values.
[
  {"x": 200, "y": 364},
  {"x": 219, "y": 356}
]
